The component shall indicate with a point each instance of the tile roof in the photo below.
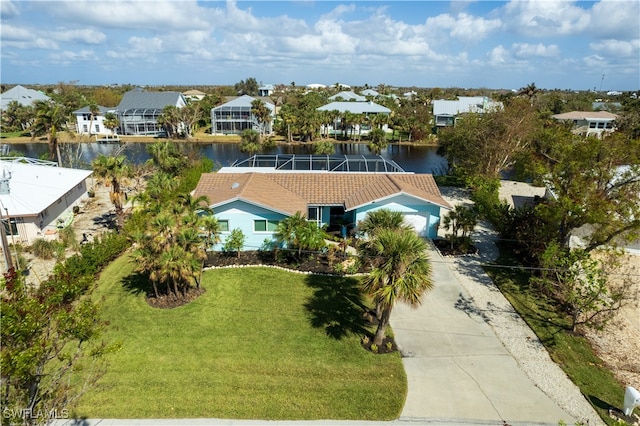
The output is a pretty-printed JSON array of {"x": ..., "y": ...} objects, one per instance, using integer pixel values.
[{"x": 292, "y": 192}]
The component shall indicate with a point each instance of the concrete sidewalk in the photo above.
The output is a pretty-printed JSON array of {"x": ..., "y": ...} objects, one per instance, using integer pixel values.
[{"x": 457, "y": 368}]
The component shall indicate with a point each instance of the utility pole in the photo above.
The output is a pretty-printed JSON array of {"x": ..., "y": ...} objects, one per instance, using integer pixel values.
[
  {"x": 5, "y": 243},
  {"x": 601, "y": 81}
]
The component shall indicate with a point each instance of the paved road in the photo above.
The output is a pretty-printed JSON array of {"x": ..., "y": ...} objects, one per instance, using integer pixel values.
[{"x": 457, "y": 368}]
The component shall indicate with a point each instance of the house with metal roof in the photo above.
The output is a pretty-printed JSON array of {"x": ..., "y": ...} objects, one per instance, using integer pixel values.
[
  {"x": 37, "y": 197},
  {"x": 139, "y": 110},
  {"x": 589, "y": 123},
  {"x": 235, "y": 116},
  {"x": 366, "y": 108},
  {"x": 22, "y": 95},
  {"x": 446, "y": 112},
  {"x": 347, "y": 96},
  {"x": 255, "y": 200},
  {"x": 266, "y": 90}
]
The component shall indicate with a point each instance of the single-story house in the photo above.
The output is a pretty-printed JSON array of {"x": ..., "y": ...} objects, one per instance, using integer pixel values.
[
  {"x": 348, "y": 96},
  {"x": 21, "y": 95},
  {"x": 194, "y": 95},
  {"x": 370, "y": 92},
  {"x": 235, "y": 116},
  {"x": 38, "y": 197},
  {"x": 446, "y": 112},
  {"x": 86, "y": 125},
  {"x": 256, "y": 201},
  {"x": 366, "y": 108},
  {"x": 315, "y": 86},
  {"x": 139, "y": 110},
  {"x": 589, "y": 123}
]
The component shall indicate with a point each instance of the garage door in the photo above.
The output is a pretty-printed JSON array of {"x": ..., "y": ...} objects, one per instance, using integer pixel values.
[{"x": 419, "y": 222}]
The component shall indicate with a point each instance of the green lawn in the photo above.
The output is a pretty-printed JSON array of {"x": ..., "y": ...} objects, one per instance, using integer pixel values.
[
  {"x": 259, "y": 344},
  {"x": 570, "y": 351}
]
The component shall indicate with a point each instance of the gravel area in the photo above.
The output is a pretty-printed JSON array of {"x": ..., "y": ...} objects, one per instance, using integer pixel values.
[{"x": 514, "y": 333}]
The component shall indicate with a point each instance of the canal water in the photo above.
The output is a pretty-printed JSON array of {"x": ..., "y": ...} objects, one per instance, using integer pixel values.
[{"x": 417, "y": 159}]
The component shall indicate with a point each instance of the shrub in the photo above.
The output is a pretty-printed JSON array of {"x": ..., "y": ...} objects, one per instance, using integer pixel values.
[
  {"x": 374, "y": 348},
  {"x": 43, "y": 249}
]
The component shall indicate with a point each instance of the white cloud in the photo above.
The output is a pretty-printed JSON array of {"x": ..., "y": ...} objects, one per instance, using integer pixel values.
[
  {"x": 499, "y": 55},
  {"x": 545, "y": 18},
  {"x": 525, "y": 50},
  {"x": 617, "y": 48},
  {"x": 153, "y": 15},
  {"x": 8, "y": 9},
  {"x": 615, "y": 19},
  {"x": 463, "y": 26},
  {"x": 139, "y": 48},
  {"x": 67, "y": 57},
  {"x": 87, "y": 35},
  {"x": 25, "y": 38}
]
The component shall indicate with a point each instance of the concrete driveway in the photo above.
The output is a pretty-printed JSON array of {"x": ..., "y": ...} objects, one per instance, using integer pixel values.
[{"x": 456, "y": 366}]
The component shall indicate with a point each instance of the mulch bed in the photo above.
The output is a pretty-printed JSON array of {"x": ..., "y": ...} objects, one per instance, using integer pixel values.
[
  {"x": 170, "y": 301},
  {"x": 444, "y": 247},
  {"x": 313, "y": 263}
]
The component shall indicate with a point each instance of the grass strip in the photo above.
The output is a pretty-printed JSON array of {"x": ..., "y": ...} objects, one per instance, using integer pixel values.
[
  {"x": 571, "y": 351},
  {"x": 259, "y": 344}
]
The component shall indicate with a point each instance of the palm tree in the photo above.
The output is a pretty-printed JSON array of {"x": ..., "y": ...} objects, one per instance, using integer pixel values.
[
  {"x": 113, "y": 170},
  {"x": 401, "y": 272},
  {"x": 250, "y": 141},
  {"x": 289, "y": 229},
  {"x": 377, "y": 220},
  {"x": 378, "y": 141},
  {"x": 530, "y": 91},
  {"x": 94, "y": 111},
  {"x": 50, "y": 118},
  {"x": 262, "y": 114},
  {"x": 111, "y": 121}
]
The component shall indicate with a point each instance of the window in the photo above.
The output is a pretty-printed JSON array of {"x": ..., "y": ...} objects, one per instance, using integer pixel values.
[
  {"x": 314, "y": 214},
  {"x": 601, "y": 125},
  {"x": 97, "y": 127},
  {"x": 592, "y": 125},
  {"x": 10, "y": 230},
  {"x": 85, "y": 128},
  {"x": 265, "y": 225},
  {"x": 224, "y": 225}
]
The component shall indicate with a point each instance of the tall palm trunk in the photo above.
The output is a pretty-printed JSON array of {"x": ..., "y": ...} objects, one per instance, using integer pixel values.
[{"x": 382, "y": 326}]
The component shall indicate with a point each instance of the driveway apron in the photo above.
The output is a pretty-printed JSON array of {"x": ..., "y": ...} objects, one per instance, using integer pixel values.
[{"x": 456, "y": 366}]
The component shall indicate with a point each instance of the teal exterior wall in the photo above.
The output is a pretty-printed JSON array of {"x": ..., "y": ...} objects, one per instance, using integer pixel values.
[{"x": 240, "y": 214}]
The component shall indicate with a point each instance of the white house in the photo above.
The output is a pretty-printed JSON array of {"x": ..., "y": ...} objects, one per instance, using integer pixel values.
[
  {"x": 139, "y": 110},
  {"x": 446, "y": 112},
  {"x": 88, "y": 125},
  {"x": 347, "y": 96},
  {"x": 266, "y": 90},
  {"x": 38, "y": 197},
  {"x": 22, "y": 95},
  {"x": 194, "y": 95},
  {"x": 235, "y": 116},
  {"x": 589, "y": 123},
  {"x": 367, "y": 108}
]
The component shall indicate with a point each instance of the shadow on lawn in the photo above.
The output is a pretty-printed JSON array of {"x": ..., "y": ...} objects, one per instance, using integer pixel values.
[
  {"x": 138, "y": 284},
  {"x": 336, "y": 305}
]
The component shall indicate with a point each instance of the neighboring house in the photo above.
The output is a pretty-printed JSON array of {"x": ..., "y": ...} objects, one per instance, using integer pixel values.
[
  {"x": 370, "y": 92},
  {"x": 589, "y": 123},
  {"x": 22, "y": 95},
  {"x": 88, "y": 126},
  {"x": 314, "y": 86},
  {"x": 38, "y": 197},
  {"x": 347, "y": 96},
  {"x": 446, "y": 112},
  {"x": 194, "y": 95},
  {"x": 235, "y": 116},
  {"x": 606, "y": 106},
  {"x": 255, "y": 202},
  {"x": 139, "y": 110},
  {"x": 266, "y": 90},
  {"x": 367, "y": 108}
]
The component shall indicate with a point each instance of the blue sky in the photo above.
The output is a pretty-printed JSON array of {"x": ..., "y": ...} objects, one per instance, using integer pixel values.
[{"x": 554, "y": 43}]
